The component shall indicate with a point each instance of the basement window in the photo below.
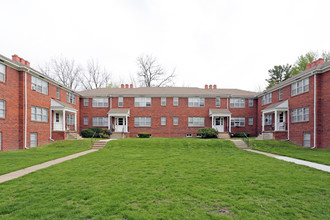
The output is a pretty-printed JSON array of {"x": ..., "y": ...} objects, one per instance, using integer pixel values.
[
  {"x": 188, "y": 135},
  {"x": 307, "y": 139}
]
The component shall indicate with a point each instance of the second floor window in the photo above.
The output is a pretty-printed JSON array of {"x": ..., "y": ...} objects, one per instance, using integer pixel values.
[
  {"x": 2, "y": 73},
  {"x": 299, "y": 87},
  {"x": 280, "y": 94},
  {"x": 120, "y": 101},
  {"x": 58, "y": 92},
  {"x": 86, "y": 102},
  {"x": 266, "y": 99},
  {"x": 142, "y": 101},
  {"x": 39, "y": 85},
  {"x": 70, "y": 98},
  {"x": 163, "y": 101},
  {"x": 251, "y": 102},
  {"x": 175, "y": 101},
  {"x": 237, "y": 103},
  {"x": 100, "y": 102},
  {"x": 217, "y": 102},
  {"x": 196, "y": 102}
]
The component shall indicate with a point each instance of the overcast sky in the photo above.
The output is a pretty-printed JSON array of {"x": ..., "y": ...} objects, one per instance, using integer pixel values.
[{"x": 228, "y": 43}]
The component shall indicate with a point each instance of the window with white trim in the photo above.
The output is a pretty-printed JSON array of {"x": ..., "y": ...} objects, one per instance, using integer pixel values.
[
  {"x": 175, "y": 101},
  {"x": 58, "y": 92},
  {"x": 217, "y": 102},
  {"x": 85, "y": 120},
  {"x": 33, "y": 139},
  {"x": 2, "y": 108},
  {"x": 39, "y": 114},
  {"x": 196, "y": 102},
  {"x": 86, "y": 101},
  {"x": 100, "y": 102},
  {"x": 70, "y": 98},
  {"x": 120, "y": 101},
  {"x": 142, "y": 121},
  {"x": 300, "y": 114},
  {"x": 142, "y": 101},
  {"x": 280, "y": 94},
  {"x": 175, "y": 120},
  {"x": 250, "y": 121},
  {"x": 2, "y": 73},
  {"x": 70, "y": 119},
  {"x": 237, "y": 103},
  {"x": 163, "y": 101},
  {"x": 163, "y": 120},
  {"x": 266, "y": 99},
  {"x": 237, "y": 122},
  {"x": 100, "y": 121},
  {"x": 0, "y": 141},
  {"x": 307, "y": 139},
  {"x": 268, "y": 119},
  {"x": 39, "y": 85},
  {"x": 299, "y": 87},
  {"x": 196, "y": 121},
  {"x": 251, "y": 102}
]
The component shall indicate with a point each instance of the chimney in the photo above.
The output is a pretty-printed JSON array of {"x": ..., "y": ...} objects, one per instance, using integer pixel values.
[
  {"x": 126, "y": 86},
  {"x": 15, "y": 58},
  {"x": 22, "y": 60},
  {"x": 314, "y": 63},
  {"x": 210, "y": 86},
  {"x": 122, "y": 86},
  {"x": 27, "y": 63},
  {"x": 214, "y": 86},
  {"x": 131, "y": 86},
  {"x": 206, "y": 87}
]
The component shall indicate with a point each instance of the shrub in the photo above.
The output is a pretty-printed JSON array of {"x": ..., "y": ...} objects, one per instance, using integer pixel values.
[
  {"x": 96, "y": 130},
  {"x": 87, "y": 133},
  {"x": 107, "y": 132},
  {"x": 207, "y": 133},
  {"x": 241, "y": 134},
  {"x": 144, "y": 135}
]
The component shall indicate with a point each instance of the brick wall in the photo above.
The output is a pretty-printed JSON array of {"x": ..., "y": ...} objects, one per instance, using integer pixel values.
[{"x": 323, "y": 110}]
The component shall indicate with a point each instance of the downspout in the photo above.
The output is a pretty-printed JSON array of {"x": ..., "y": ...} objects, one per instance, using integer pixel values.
[
  {"x": 25, "y": 109},
  {"x": 50, "y": 126},
  {"x": 314, "y": 145}
]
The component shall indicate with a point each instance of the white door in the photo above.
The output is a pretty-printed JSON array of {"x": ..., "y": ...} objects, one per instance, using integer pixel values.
[
  {"x": 218, "y": 124},
  {"x": 281, "y": 121},
  {"x": 58, "y": 121},
  {"x": 120, "y": 124}
]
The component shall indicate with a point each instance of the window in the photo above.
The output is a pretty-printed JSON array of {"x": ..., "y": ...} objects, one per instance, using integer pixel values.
[
  {"x": 69, "y": 119},
  {"x": 100, "y": 102},
  {"x": 195, "y": 121},
  {"x": 175, "y": 101},
  {"x": 196, "y": 102},
  {"x": 142, "y": 101},
  {"x": 85, "y": 120},
  {"x": 57, "y": 117},
  {"x": 250, "y": 121},
  {"x": 33, "y": 139},
  {"x": 237, "y": 103},
  {"x": 100, "y": 121},
  {"x": 251, "y": 102},
  {"x": 86, "y": 102},
  {"x": 280, "y": 94},
  {"x": 2, "y": 108},
  {"x": 268, "y": 119},
  {"x": 163, "y": 120},
  {"x": 300, "y": 114},
  {"x": 175, "y": 120},
  {"x": 189, "y": 135},
  {"x": 39, "y": 85},
  {"x": 39, "y": 114},
  {"x": 266, "y": 99},
  {"x": 163, "y": 101},
  {"x": 142, "y": 121},
  {"x": 307, "y": 139},
  {"x": 0, "y": 141},
  {"x": 2, "y": 73},
  {"x": 120, "y": 101},
  {"x": 237, "y": 122},
  {"x": 70, "y": 98},
  {"x": 299, "y": 87},
  {"x": 58, "y": 92},
  {"x": 217, "y": 102}
]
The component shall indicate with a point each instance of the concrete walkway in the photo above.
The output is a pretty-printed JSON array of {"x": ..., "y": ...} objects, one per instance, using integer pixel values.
[
  {"x": 22, "y": 172},
  {"x": 241, "y": 144}
]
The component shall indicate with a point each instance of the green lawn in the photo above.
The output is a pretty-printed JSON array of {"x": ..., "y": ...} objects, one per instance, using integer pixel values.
[
  {"x": 177, "y": 178},
  {"x": 287, "y": 148},
  {"x": 19, "y": 159}
]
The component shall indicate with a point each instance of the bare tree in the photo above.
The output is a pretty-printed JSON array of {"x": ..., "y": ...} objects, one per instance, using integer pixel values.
[
  {"x": 95, "y": 76},
  {"x": 151, "y": 74}
]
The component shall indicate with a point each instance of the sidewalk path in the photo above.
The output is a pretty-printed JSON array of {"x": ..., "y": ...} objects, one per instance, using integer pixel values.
[
  {"x": 241, "y": 144},
  {"x": 22, "y": 172}
]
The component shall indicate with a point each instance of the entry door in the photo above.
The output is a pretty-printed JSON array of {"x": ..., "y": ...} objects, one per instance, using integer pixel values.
[
  {"x": 218, "y": 124},
  {"x": 58, "y": 121},
  {"x": 120, "y": 124}
]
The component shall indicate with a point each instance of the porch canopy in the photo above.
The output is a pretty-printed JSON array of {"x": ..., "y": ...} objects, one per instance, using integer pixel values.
[
  {"x": 57, "y": 105},
  {"x": 118, "y": 112},
  {"x": 275, "y": 108},
  {"x": 219, "y": 112}
]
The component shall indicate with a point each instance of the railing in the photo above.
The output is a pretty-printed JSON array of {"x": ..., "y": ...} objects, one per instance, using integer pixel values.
[
  {"x": 246, "y": 139},
  {"x": 92, "y": 138}
]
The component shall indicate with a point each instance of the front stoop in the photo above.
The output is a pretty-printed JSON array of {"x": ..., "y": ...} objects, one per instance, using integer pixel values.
[
  {"x": 223, "y": 135},
  {"x": 240, "y": 144},
  {"x": 73, "y": 136},
  {"x": 266, "y": 136},
  {"x": 118, "y": 135}
]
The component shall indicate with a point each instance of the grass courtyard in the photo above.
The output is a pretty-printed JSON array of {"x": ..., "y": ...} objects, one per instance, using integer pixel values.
[{"x": 177, "y": 178}]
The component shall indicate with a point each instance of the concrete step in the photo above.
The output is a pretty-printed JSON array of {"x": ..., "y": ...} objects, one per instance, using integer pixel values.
[
  {"x": 118, "y": 135},
  {"x": 266, "y": 136},
  {"x": 240, "y": 144},
  {"x": 99, "y": 145},
  {"x": 223, "y": 135},
  {"x": 73, "y": 136}
]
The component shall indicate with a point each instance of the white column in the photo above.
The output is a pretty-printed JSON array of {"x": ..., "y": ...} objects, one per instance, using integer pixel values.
[
  {"x": 229, "y": 123},
  {"x": 263, "y": 122},
  {"x": 212, "y": 121},
  {"x": 288, "y": 125},
  {"x": 109, "y": 123},
  {"x": 75, "y": 121},
  {"x": 276, "y": 127},
  {"x": 126, "y": 126},
  {"x": 63, "y": 120}
]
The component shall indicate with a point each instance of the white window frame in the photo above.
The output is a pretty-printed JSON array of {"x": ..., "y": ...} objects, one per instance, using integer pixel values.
[
  {"x": 266, "y": 99},
  {"x": 217, "y": 102},
  {"x": 300, "y": 87},
  {"x": 39, "y": 85},
  {"x": 2, "y": 73},
  {"x": 58, "y": 92},
  {"x": 196, "y": 102},
  {"x": 100, "y": 102},
  {"x": 86, "y": 101},
  {"x": 237, "y": 103},
  {"x": 142, "y": 121},
  {"x": 196, "y": 121},
  {"x": 70, "y": 98},
  {"x": 175, "y": 120},
  {"x": 163, "y": 101},
  {"x": 85, "y": 120},
  {"x": 237, "y": 122},
  {"x": 33, "y": 139},
  {"x": 280, "y": 94},
  {"x": 39, "y": 114},
  {"x": 175, "y": 101},
  {"x": 307, "y": 139},
  {"x": 100, "y": 121},
  {"x": 250, "y": 102},
  {"x": 120, "y": 101},
  {"x": 250, "y": 121},
  {"x": 268, "y": 119},
  {"x": 300, "y": 115},
  {"x": 142, "y": 101},
  {"x": 162, "y": 120},
  {"x": 2, "y": 109},
  {"x": 70, "y": 119}
]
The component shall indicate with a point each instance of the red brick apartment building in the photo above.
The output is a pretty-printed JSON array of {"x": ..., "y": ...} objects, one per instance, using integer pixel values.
[{"x": 36, "y": 110}]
